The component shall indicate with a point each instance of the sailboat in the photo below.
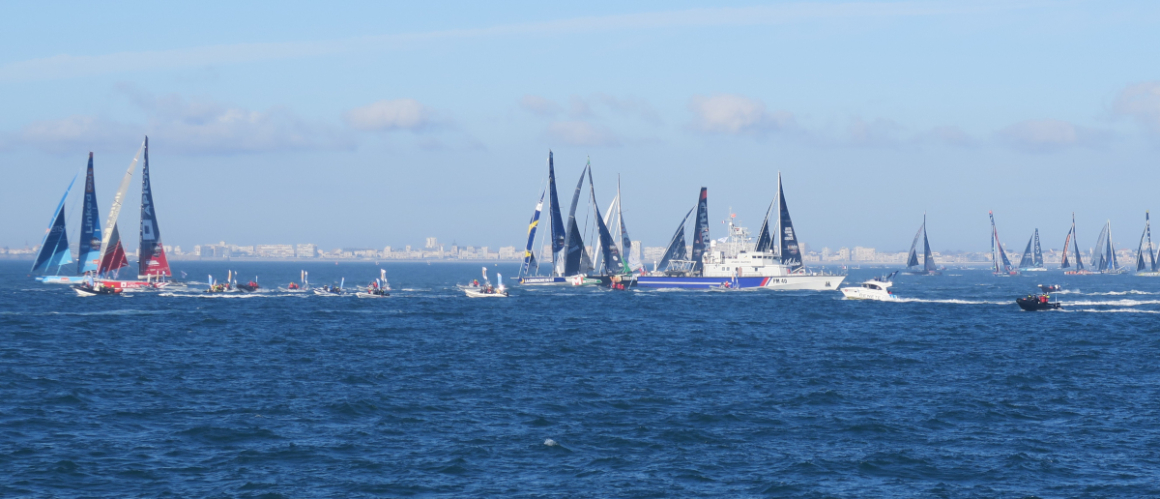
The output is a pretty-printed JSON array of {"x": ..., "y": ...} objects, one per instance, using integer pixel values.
[
  {"x": 152, "y": 262},
  {"x": 1032, "y": 260},
  {"x": 1073, "y": 239},
  {"x": 54, "y": 250},
  {"x": 1146, "y": 267},
  {"x": 735, "y": 262},
  {"x": 928, "y": 265},
  {"x": 1001, "y": 265},
  {"x": 88, "y": 242},
  {"x": 1104, "y": 257},
  {"x": 529, "y": 272}
]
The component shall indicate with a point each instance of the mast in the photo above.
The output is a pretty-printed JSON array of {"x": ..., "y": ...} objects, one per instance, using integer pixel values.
[
  {"x": 54, "y": 246},
  {"x": 1148, "y": 230},
  {"x": 701, "y": 231},
  {"x": 112, "y": 253},
  {"x": 151, "y": 261},
  {"x": 529, "y": 253}
]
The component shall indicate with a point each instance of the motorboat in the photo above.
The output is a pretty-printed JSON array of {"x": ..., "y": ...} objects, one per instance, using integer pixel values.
[
  {"x": 1033, "y": 303},
  {"x": 249, "y": 287},
  {"x": 877, "y": 288},
  {"x": 88, "y": 289},
  {"x": 487, "y": 290}
]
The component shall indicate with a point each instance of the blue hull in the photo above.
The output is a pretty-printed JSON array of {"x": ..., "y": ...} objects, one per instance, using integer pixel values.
[
  {"x": 535, "y": 280},
  {"x": 701, "y": 282},
  {"x": 62, "y": 279}
]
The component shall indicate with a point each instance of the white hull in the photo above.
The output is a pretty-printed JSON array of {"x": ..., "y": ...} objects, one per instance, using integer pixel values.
[
  {"x": 361, "y": 294},
  {"x": 867, "y": 294},
  {"x": 1033, "y": 269},
  {"x": 1148, "y": 274},
  {"x": 805, "y": 282},
  {"x": 321, "y": 292}
]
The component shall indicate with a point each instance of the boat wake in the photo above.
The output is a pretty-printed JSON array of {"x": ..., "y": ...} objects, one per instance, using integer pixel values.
[
  {"x": 1114, "y": 311},
  {"x": 1113, "y": 303},
  {"x": 1121, "y": 293},
  {"x": 955, "y": 301}
]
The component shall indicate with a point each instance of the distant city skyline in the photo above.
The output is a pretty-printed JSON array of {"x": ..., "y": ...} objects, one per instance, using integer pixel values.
[{"x": 368, "y": 124}]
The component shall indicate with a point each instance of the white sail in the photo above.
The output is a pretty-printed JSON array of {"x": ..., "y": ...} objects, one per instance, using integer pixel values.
[{"x": 115, "y": 211}]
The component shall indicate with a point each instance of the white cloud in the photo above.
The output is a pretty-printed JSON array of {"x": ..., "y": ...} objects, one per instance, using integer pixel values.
[
  {"x": 582, "y": 133},
  {"x": 737, "y": 115},
  {"x": 184, "y": 126},
  {"x": 948, "y": 135},
  {"x": 1142, "y": 103},
  {"x": 630, "y": 105},
  {"x": 1049, "y": 136},
  {"x": 390, "y": 115},
  {"x": 880, "y": 132},
  {"x": 539, "y": 106}
]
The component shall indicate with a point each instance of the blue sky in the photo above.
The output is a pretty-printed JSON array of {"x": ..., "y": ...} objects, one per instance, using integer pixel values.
[{"x": 372, "y": 124}]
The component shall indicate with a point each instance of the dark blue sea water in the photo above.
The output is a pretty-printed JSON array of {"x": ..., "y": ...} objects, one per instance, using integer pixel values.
[{"x": 645, "y": 394}]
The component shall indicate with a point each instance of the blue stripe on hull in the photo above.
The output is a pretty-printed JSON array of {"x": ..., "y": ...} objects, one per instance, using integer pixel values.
[
  {"x": 533, "y": 280},
  {"x": 700, "y": 282}
]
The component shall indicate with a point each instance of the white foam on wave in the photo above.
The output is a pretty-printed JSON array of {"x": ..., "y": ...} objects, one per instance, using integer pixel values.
[
  {"x": 1113, "y": 310},
  {"x": 1121, "y": 293},
  {"x": 115, "y": 312},
  {"x": 1113, "y": 303},
  {"x": 956, "y": 301}
]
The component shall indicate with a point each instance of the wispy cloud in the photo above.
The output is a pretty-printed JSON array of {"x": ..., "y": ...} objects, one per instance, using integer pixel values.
[
  {"x": 1042, "y": 136},
  {"x": 70, "y": 66},
  {"x": 737, "y": 115},
  {"x": 1140, "y": 102},
  {"x": 391, "y": 115},
  {"x": 582, "y": 133},
  {"x": 189, "y": 126},
  {"x": 539, "y": 106},
  {"x": 873, "y": 133},
  {"x": 947, "y": 135}
]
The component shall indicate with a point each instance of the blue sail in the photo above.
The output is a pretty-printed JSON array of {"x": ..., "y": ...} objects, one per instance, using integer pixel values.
[
  {"x": 701, "y": 231},
  {"x": 676, "y": 249},
  {"x": 89, "y": 257},
  {"x": 54, "y": 247},
  {"x": 573, "y": 243},
  {"x": 151, "y": 260},
  {"x": 558, "y": 229},
  {"x": 790, "y": 253},
  {"x": 529, "y": 252},
  {"x": 612, "y": 263}
]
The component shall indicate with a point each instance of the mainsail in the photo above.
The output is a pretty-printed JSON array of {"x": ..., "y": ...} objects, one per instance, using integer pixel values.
[
  {"x": 529, "y": 253},
  {"x": 54, "y": 247},
  {"x": 790, "y": 253},
  {"x": 1033, "y": 253},
  {"x": 558, "y": 229},
  {"x": 633, "y": 264},
  {"x": 1038, "y": 254},
  {"x": 1075, "y": 246},
  {"x": 676, "y": 249},
  {"x": 912, "y": 258},
  {"x": 1067, "y": 241},
  {"x": 611, "y": 256},
  {"x": 1002, "y": 263},
  {"x": 1099, "y": 256},
  {"x": 151, "y": 261},
  {"x": 574, "y": 252},
  {"x": 1026, "y": 260},
  {"x": 701, "y": 231},
  {"x": 89, "y": 256},
  {"x": 112, "y": 253},
  {"x": 927, "y": 255},
  {"x": 1143, "y": 265},
  {"x": 764, "y": 237}
]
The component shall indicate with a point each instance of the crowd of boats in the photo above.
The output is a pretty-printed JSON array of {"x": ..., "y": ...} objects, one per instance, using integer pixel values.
[{"x": 771, "y": 260}]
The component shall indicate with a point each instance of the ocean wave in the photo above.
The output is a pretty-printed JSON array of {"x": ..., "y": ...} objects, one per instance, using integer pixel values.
[
  {"x": 1113, "y": 310},
  {"x": 1109, "y": 303},
  {"x": 957, "y": 301},
  {"x": 1120, "y": 293}
]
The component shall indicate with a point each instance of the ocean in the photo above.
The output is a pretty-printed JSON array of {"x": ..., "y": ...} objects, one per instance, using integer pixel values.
[{"x": 578, "y": 392}]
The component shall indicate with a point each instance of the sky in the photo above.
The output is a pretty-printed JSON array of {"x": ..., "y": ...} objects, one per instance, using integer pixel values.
[{"x": 368, "y": 124}]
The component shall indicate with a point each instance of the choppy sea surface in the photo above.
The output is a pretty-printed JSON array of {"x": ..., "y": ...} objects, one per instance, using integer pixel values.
[{"x": 577, "y": 392}]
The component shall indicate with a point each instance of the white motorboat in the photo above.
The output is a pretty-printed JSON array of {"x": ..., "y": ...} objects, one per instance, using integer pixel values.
[
  {"x": 364, "y": 294},
  {"x": 874, "y": 289},
  {"x": 487, "y": 291}
]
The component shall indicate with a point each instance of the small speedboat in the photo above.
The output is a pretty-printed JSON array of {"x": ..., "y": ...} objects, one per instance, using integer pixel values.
[
  {"x": 373, "y": 293},
  {"x": 499, "y": 292},
  {"x": 329, "y": 291},
  {"x": 249, "y": 287},
  {"x": 1032, "y": 303},
  {"x": 1047, "y": 288},
  {"x": 874, "y": 289},
  {"x": 87, "y": 289}
]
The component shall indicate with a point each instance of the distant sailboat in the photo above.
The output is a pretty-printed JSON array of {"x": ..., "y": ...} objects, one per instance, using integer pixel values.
[
  {"x": 151, "y": 261},
  {"x": 1073, "y": 239},
  {"x": 1146, "y": 267},
  {"x": 1104, "y": 256},
  {"x": 529, "y": 276},
  {"x": 928, "y": 264},
  {"x": 1001, "y": 265},
  {"x": 1032, "y": 260}
]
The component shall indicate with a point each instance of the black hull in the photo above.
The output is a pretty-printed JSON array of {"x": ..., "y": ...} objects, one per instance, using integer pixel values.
[
  {"x": 1034, "y": 305},
  {"x": 247, "y": 288}
]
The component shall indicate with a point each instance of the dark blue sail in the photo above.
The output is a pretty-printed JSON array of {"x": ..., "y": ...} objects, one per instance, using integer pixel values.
[
  {"x": 912, "y": 257},
  {"x": 89, "y": 257},
  {"x": 1075, "y": 242},
  {"x": 54, "y": 250},
  {"x": 151, "y": 258},
  {"x": 558, "y": 228},
  {"x": 676, "y": 249},
  {"x": 764, "y": 237},
  {"x": 529, "y": 251},
  {"x": 609, "y": 252},
  {"x": 791, "y": 255},
  {"x": 701, "y": 231},
  {"x": 573, "y": 243},
  {"x": 1038, "y": 251},
  {"x": 1027, "y": 260}
]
